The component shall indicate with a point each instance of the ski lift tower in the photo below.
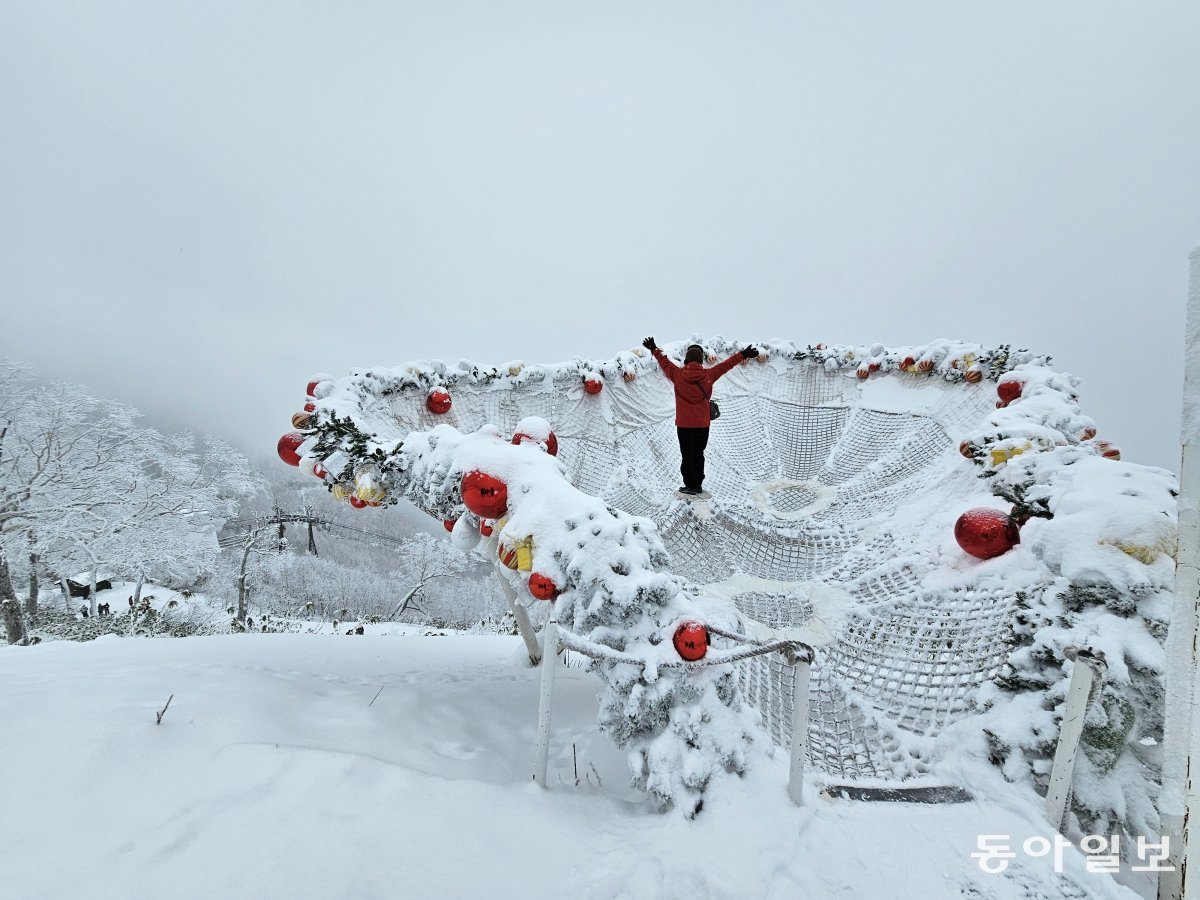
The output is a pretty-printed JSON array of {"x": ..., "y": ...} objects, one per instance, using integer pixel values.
[{"x": 1180, "y": 802}]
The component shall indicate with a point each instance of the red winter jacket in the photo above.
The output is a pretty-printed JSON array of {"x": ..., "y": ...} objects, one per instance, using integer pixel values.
[{"x": 693, "y": 388}]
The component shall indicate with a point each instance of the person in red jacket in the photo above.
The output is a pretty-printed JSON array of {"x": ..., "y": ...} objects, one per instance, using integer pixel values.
[{"x": 693, "y": 391}]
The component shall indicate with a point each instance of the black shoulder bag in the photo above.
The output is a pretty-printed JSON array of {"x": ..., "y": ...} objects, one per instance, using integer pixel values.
[{"x": 714, "y": 411}]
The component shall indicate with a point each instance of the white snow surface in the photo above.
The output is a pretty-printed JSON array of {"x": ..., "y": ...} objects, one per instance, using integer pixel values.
[{"x": 282, "y": 770}]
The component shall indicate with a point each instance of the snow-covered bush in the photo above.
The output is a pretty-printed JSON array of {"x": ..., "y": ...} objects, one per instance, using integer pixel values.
[{"x": 1105, "y": 532}]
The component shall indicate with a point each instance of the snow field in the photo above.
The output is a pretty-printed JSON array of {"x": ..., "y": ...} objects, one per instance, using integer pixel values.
[{"x": 281, "y": 770}]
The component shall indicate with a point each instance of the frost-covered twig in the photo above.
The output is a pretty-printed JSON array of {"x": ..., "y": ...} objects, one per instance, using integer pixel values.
[{"x": 158, "y": 716}]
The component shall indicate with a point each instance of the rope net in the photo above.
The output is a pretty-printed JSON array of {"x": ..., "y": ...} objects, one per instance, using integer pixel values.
[{"x": 809, "y": 469}]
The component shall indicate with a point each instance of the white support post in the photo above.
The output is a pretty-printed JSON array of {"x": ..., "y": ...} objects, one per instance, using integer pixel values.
[
  {"x": 545, "y": 701},
  {"x": 799, "y": 730},
  {"x": 1179, "y": 802},
  {"x": 524, "y": 626},
  {"x": 1078, "y": 692}
]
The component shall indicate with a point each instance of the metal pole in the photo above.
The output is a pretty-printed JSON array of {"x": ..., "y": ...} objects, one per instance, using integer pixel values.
[
  {"x": 1078, "y": 693},
  {"x": 545, "y": 701},
  {"x": 799, "y": 729},
  {"x": 1179, "y": 800},
  {"x": 524, "y": 626}
]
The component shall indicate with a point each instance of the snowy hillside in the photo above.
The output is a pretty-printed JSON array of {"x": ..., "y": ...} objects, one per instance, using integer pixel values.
[{"x": 281, "y": 769}]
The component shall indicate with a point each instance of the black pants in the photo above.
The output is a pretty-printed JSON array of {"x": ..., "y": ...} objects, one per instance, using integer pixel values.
[{"x": 692, "y": 442}]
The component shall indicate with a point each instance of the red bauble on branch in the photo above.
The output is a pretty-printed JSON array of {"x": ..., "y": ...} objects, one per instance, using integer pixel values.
[
  {"x": 287, "y": 447},
  {"x": 309, "y": 406},
  {"x": 485, "y": 528},
  {"x": 319, "y": 470},
  {"x": 485, "y": 495},
  {"x": 984, "y": 532},
  {"x": 549, "y": 440},
  {"x": 448, "y": 524},
  {"x": 438, "y": 402},
  {"x": 356, "y": 503},
  {"x": 311, "y": 390},
  {"x": 691, "y": 641},
  {"x": 542, "y": 587},
  {"x": 593, "y": 385},
  {"x": 1008, "y": 391}
]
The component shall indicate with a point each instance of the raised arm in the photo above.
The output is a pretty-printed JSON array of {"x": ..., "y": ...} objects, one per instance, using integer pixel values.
[
  {"x": 724, "y": 366},
  {"x": 669, "y": 368}
]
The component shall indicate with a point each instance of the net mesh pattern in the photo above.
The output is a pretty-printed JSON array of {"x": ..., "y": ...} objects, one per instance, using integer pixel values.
[{"x": 829, "y": 470}]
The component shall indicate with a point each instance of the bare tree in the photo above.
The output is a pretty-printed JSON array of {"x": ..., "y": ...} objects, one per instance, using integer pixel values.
[{"x": 427, "y": 559}]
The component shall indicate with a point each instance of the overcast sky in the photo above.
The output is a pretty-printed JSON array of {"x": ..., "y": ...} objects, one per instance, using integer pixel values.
[{"x": 201, "y": 204}]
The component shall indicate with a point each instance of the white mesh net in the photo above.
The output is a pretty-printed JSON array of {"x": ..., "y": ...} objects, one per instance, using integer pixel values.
[{"x": 808, "y": 469}]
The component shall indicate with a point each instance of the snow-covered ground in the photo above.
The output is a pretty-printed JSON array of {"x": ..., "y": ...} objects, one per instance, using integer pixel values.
[{"x": 282, "y": 770}]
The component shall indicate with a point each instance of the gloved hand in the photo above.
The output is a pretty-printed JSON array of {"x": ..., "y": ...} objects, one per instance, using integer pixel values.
[
  {"x": 649, "y": 344},
  {"x": 749, "y": 352}
]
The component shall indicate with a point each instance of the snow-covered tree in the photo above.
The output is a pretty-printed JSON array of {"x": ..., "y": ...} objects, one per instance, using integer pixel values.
[
  {"x": 680, "y": 727},
  {"x": 83, "y": 487},
  {"x": 1105, "y": 531},
  {"x": 426, "y": 559}
]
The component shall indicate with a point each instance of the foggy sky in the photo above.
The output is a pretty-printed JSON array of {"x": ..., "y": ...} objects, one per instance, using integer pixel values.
[{"x": 203, "y": 204}]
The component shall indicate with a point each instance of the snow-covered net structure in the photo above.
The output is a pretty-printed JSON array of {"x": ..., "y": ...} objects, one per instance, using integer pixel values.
[{"x": 836, "y": 477}]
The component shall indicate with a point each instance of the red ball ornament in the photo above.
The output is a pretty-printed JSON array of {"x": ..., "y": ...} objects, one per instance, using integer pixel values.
[
  {"x": 448, "y": 524},
  {"x": 593, "y": 385},
  {"x": 287, "y": 447},
  {"x": 874, "y": 366},
  {"x": 907, "y": 363},
  {"x": 549, "y": 440},
  {"x": 311, "y": 390},
  {"x": 1087, "y": 434},
  {"x": 309, "y": 406},
  {"x": 967, "y": 449},
  {"x": 985, "y": 532},
  {"x": 691, "y": 641},
  {"x": 485, "y": 528},
  {"x": 356, "y": 503},
  {"x": 485, "y": 495},
  {"x": 541, "y": 587},
  {"x": 1009, "y": 391},
  {"x": 438, "y": 402},
  {"x": 1107, "y": 450},
  {"x": 319, "y": 470}
]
